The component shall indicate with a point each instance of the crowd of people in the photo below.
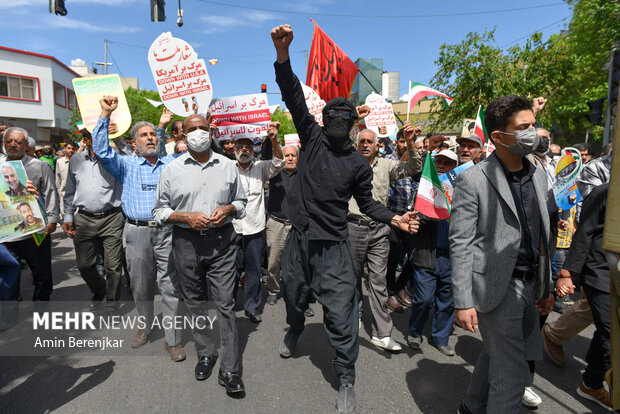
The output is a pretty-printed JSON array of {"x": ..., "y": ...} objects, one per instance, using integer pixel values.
[{"x": 316, "y": 221}]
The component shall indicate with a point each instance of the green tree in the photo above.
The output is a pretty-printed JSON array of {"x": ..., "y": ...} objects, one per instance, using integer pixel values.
[
  {"x": 286, "y": 125},
  {"x": 569, "y": 69}
]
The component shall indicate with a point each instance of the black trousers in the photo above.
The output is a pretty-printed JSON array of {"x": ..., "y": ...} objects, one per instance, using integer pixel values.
[
  {"x": 39, "y": 259},
  {"x": 400, "y": 241},
  {"x": 599, "y": 352},
  {"x": 211, "y": 255},
  {"x": 327, "y": 270}
]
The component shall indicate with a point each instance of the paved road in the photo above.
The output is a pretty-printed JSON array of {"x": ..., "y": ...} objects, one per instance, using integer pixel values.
[{"x": 407, "y": 382}]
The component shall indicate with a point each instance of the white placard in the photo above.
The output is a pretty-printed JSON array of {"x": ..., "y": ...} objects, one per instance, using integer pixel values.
[
  {"x": 181, "y": 78},
  {"x": 314, "y": 102},
  {"x": 381, "y": 115},
  {"x": 244, "y": 116}
]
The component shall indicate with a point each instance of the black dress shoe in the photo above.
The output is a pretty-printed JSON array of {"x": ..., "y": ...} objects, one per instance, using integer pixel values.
[
  {"x": 232, "y": 381},
  {"x": 254, "y": 316},
  {"x": 204, "y": 367}
]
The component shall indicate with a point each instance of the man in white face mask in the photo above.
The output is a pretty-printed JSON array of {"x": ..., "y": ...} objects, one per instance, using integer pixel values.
[
  {"x": 250, "y": 229},
  {"x": 499, "y": 252},
  {"x": 199, "y": 193}
]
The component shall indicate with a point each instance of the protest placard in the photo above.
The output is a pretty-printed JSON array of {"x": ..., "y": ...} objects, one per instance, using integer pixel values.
[
  {"x": 243, "y": 116},
  {"x": 181, "y": 78},
  {"x": 20, "y": 213},
  {"x": 90, "y": 90},
  {"x": 448, "y": 179},
  {"x": 314, "y": 103},
  {"x": 291, "y": 139},
  {"x": 566, "y": 173},
  {"x": 381, "y": 115}
]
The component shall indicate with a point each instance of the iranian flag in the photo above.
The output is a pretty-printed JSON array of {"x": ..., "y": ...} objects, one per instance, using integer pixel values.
[
  {"x": 479, "y": 129},
  {"x": 418, "y": 91},
  {"x": 431, "y": 199}
]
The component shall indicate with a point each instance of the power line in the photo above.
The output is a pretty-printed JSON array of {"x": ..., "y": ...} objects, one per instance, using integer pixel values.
[
  {"x": 115, "y": 64},
  {"x": 536, "y": 31},
  {"x": 414, "y": 16}
]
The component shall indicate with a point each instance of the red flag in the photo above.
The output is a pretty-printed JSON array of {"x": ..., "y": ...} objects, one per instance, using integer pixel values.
[{"x": 330, "y": 71}]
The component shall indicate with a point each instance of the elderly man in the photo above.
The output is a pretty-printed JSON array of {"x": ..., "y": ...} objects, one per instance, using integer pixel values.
[
  {"x": 370, "y": 240},
  {"x": 176, "y": 130},
  {"x": 432, "y": 274},
  {"x": 318, "y": 256},
  {"x": 147, "y": 244},
  {"x": 250, "y": 229},
  {"x": 200, "y": 192},
  {"x": 278, "y": 225},
  {"x": 39, "y": 258},
  {"x": 94, "y": 219},
  {"x": 16, "y": 188},
  {"x": 62, "y": 167},
  {"x": 470, "y": 149}
]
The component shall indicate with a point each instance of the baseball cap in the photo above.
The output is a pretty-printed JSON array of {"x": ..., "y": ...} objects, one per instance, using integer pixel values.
[
  {"x": 473, "y": 138},
  {"x": 448, "y": 154}
]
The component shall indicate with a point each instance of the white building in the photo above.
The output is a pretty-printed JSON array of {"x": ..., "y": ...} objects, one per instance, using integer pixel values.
[
  {"x": 390, "y": 82},
  {"x": 36, "y": 94}
]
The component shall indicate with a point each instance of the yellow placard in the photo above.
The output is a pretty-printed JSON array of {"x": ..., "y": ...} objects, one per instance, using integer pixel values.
[{"x": 90, "y": 90}]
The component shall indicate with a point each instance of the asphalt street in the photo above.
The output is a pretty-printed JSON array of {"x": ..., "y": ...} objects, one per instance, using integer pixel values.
[{"x": 405, "y": 382}]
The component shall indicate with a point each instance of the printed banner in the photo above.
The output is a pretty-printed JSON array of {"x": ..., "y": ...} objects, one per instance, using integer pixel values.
[
  {"x": 314, "y": 103},
  {"x": 381, "y": 119},
  {"x": 90, "y": 90},
  {"x": 19, "y": 210},
  {"x": 567, "y": 171},
  {"x": 181, "y": 78},
  {"x": 448, "y": 179},
  {"x": 244, "y": 116},
  {"x": 291, "y": 139}
]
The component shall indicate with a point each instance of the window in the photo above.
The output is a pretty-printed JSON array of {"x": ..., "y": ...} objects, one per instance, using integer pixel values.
[
  {"x": 60, "y": 96},
  {"x": 19, "y": 87},
  {"x": 71, "y": 99}
]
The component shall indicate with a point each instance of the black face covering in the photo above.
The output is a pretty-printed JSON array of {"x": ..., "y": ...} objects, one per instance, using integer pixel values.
[
  {"x": 337, "y": 128},
  {"x": 543, "y": 147}
]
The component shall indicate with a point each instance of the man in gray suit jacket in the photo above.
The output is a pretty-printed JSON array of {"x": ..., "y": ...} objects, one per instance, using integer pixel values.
[{"x": 499, "y": 243}]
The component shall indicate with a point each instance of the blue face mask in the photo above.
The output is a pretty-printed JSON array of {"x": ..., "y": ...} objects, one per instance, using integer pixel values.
[{"x": 381, "y": 151}]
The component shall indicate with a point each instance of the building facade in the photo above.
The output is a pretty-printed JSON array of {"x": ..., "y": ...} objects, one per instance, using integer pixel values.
[
  {"x": 36, "y": 93},
  {"x": 390, "y": 83},
  {"x": 373, "y": 71}
]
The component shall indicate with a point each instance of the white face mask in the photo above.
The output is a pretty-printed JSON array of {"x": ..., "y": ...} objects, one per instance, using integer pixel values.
[
  {"x": 198, "y": 140},
  {"x": 243, "y": 157}
]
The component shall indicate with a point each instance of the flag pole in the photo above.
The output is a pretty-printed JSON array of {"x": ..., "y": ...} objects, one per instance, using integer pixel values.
[{"x": 374, "y": 89}]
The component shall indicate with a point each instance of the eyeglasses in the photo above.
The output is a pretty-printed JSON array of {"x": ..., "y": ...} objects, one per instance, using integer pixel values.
[
  {"x": 246, "y": 146},
  {"x": 334, "y": 113}
]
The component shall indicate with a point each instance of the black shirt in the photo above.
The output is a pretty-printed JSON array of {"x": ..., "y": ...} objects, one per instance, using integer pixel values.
[
  {"x": 521, "y": 185},
  {"x": 318, "y": 200},
  {"x": 278, "y": 187},
  {"x": 586, "y": 256}
]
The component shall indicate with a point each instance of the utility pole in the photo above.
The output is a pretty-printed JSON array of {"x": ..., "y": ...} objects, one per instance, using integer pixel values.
[
  {"x": 105, "y": 63},
  {"x": 608, "y": 113}
]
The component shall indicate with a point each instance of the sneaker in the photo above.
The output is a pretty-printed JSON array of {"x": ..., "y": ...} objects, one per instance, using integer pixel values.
[
  {"x": 272, "y": 299},
  {"x": 447, "y": 350},
  {"x": 600, "y": 396},
  {"x": 530, "y": 398},
  {"x": 414, "y": 342},
  {"x": 346, "y": 402},
  {"x": 555, "y": 352},
  {"x": 386, "y": 343},
  {"x": 288, "y": 345}
]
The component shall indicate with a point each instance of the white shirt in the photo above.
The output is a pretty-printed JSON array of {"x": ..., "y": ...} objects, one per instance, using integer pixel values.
[
  {"x": 253, "y": 180},
  {"x": 62, "y": 167}
]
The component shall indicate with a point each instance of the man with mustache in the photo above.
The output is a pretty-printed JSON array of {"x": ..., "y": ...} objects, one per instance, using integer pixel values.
[{"x": 147, "y": 244}]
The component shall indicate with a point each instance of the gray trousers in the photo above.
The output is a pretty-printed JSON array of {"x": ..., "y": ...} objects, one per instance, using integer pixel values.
[
  {"x": 276, "y": 238},
  {"x": 147, "y": 251},
  {"x": 371, "y": 247},
  {"x": 327, "y": 268},
  {"x": 511, "y": 337},
  {"x": 211, "y": 255},
  {"x": 92, "y": 237}
]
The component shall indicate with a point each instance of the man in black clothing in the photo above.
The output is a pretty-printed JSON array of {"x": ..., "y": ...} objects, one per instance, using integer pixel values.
[
  {"x": 586, "y": 258},
  {"x": 317, "y": 255}
]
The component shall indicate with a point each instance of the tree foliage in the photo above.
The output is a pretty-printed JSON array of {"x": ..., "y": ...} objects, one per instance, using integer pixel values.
[{"x": 569, "y": 69}]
